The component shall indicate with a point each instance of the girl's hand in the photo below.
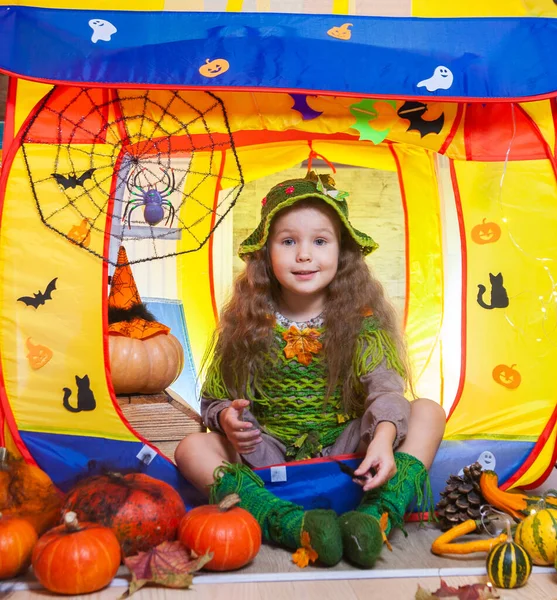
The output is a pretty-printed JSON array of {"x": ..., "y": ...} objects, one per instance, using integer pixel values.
[
  {"x": 241, "y": 434},
  {"x": 379, "y": 457}
]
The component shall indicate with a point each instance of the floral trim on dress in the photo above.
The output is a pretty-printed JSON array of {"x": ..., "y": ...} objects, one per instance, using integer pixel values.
[{"x": 316, "y": 322}]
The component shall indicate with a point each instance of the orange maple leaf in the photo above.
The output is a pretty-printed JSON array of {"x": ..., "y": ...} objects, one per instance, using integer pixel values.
[
  {"x": 301, "y": 344},
  {"x": 383, "y": 522},
  {"x": 305, "y": 554}
]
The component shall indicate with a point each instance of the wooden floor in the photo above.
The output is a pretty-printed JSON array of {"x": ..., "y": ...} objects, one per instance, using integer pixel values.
[
  {"x": 273, "y": 576},
  {"x": 540, "y": 587}
]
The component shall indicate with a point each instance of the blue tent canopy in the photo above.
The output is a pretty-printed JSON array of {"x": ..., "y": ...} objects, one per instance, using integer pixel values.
[{"x": 382, "y": 56}]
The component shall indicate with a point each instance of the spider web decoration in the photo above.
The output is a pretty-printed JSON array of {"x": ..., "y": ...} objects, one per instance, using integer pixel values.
[{"x": 136, "y": 165}]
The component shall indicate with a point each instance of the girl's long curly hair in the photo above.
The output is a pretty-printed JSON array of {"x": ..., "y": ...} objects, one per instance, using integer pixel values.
[{"x": 245, "y": 331}]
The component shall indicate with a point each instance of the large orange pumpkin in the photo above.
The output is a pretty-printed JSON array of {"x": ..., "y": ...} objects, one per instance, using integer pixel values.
[
  {"x": 27, "y": 492},
  {"x": 231, "y": 533},
  {"x": 144, "y": 366},
  {"x": 17, "y": 540},
  {"x": 76, "y": 558},
  {"x": 141, "y": 510}
]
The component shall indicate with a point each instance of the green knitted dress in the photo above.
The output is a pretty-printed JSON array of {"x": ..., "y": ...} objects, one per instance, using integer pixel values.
[{"x": 288, "y": 400}]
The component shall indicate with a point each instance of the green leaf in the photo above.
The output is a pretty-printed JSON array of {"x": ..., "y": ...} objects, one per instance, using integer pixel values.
[{"x": 365, "y": 112}]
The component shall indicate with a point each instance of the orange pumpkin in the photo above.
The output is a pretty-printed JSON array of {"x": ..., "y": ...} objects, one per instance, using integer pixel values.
[
  {"x": 214, "y": 68},
  {"x": 76, "y": 558},
  {"x": 231, "y": 533},
  {"x": 342, "y": 32},
  {"x": 485, "y": 233},
  {"x": 28, "y": 492},
  {"x": 17, "y": 539},
  {"x": 507, "y": 376},
  {"x": 144, "y": 366}
]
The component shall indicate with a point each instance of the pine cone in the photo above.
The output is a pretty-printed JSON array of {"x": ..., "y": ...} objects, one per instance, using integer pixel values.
[{"x": 461, "y": 499}]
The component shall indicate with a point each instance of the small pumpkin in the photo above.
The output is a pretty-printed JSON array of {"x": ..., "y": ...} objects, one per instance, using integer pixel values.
[
  {"x": 537, "y": 534},
  {"x": 81, "y": 234},
  {"x": 142, "y": 511},
  {"x": 341, "y": 32},
  {"x": 214, "y": 68},
  {"x": 229, "y": 532},
  {"x": 17, "y": 540},
  {"x": 507, "y": 376},
  {"x": 76, "y": 558},
  {"x": 508, "y": 564},
  {"x": 38, "y": 355},
  {"x": 27, "y": 492},
  {"x": 485, "y": 233},
  {"x": 445, "y": 544},
  {"x": 515, "y": 503},
  {"x": 145, "y": 366}
]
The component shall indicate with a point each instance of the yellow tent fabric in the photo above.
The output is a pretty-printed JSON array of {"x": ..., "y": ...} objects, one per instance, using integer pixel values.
[{"x": 478, "y": 187}]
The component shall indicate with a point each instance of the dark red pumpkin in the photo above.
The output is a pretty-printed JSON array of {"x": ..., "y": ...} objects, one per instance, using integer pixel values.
[
  {"x": 76, "y": 558},
  {"x": 231, "y": 533},
  {"x": 141, "y": 510}
]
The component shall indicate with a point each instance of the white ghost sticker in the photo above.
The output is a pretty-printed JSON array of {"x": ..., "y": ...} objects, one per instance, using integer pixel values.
[
  {"x": 486, "y": 460},
  {"x": 442, "y": 79},
  {"x": 102, "y": 30}
]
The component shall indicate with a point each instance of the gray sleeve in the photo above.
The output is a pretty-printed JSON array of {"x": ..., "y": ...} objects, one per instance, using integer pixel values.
[{"x": 385, "y": 401}]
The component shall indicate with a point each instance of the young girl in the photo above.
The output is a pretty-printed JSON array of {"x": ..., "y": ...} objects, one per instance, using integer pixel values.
[{"x": 309, "y": 362}]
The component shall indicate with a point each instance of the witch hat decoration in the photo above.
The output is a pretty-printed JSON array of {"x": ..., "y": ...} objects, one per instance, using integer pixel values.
[{"x": 123, "y": 291}]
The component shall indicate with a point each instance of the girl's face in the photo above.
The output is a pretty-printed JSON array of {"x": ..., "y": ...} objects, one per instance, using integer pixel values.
[{"x": 304, "y": 244}]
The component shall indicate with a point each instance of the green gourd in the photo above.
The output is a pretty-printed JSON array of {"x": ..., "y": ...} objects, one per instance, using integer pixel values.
[
  {"x": 508, "y": 565},
  {"x": 537, "y": 534}
]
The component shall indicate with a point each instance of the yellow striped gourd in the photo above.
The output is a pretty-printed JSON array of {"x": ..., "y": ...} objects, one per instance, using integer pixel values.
[
  {"x": 537, "y": 534},
  {"x": 508, "y": 565}
]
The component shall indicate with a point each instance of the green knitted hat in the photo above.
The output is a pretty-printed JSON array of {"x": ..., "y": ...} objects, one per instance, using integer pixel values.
[{"x": 289, "y": 192}]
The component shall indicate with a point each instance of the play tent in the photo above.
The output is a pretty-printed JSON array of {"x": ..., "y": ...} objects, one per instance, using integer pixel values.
[{"x": 197, "y": 99}]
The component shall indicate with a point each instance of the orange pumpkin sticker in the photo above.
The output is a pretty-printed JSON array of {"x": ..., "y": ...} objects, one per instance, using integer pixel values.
[
  {"x": 507, "y": 376},
  {"x": 342, "y": 32},
  {"x": 214, "y": 68},
  {"x": 301, "y": 344},
  {"x": 81, "y": 234},
  {"x": 38, "y": 356},
  {"x": 485, "y": 233}
]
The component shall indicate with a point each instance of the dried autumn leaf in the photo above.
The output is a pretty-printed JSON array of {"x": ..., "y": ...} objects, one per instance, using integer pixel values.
[
  {"x": 306, "y": 554},
  {"x": 474, "y": 591},
  {"x": 301, "y": 344},
  {"x": 169, "y": 564},
  {"x": 423, "y": 594},
  {"x": 383, "y": 523}
]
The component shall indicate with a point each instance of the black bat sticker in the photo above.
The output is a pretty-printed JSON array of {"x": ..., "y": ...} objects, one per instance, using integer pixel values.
[
  {"x": 414, "y": 112},
  {"x": 40, "y": 298},
  {"x": 72, "y": 180}
]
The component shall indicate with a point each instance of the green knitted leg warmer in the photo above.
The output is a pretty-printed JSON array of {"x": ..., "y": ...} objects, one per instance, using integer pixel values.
[
  {"x": 361, "y": 532},
  {"x": 281, "y": 521}
]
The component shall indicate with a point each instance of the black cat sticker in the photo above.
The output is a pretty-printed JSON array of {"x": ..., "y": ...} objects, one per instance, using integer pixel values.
[
  {"x": 499, "y": 297},
  {"x": 85, "y": 397}
]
